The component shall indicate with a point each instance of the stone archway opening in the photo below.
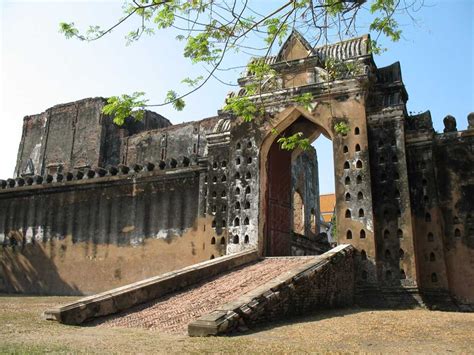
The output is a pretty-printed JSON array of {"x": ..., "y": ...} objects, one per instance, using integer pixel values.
[{"x": 286, "y": 209}]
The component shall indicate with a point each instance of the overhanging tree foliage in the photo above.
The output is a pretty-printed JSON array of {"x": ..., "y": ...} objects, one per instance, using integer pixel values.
[{"x": 213, "y": 29}]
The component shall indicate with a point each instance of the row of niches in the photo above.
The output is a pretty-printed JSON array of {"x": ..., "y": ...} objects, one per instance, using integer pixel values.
[
  {"x": 93, "y": 173},
  {"x": 223, "y": 193},
  {"x": 240, "y": 145},
  {"x": 358, "y": 164},
  {"x": 235, "y": 239},
  {"x": 360, "y": 213},
  {"x": 223, "y": 178},
  {"x": 236, "y": 222}
]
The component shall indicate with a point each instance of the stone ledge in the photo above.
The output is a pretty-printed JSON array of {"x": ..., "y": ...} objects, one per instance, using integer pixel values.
[
  {"x": 294, "y": 291},
  {"x": 125, "y": 297}
]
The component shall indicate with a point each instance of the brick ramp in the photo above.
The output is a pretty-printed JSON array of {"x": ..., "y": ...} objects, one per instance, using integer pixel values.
[
  {"x": 173, "y": 313},
  {"x": 325, "y": 282},
  {"x": 128, "y": 296}
]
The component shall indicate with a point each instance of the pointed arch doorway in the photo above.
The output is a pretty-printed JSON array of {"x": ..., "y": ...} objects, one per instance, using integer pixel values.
[{"x": 276, "y": 206}]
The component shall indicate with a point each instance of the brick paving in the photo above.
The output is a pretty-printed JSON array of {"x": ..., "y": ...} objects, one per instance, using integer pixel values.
[{"x": 172, "y": 313}]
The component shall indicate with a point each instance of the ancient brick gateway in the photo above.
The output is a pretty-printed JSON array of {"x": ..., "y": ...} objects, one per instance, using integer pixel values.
[{"x": 94, "y": 206}]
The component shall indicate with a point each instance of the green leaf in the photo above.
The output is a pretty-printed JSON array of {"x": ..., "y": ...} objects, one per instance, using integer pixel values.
[
  {"x": 173, "y": 98},
  {"x": 296, "y": 140},
  {"x": 124, "y": 106}
]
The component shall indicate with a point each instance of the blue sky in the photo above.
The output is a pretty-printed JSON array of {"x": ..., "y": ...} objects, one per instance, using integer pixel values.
[{"x": 39, "y": 68}]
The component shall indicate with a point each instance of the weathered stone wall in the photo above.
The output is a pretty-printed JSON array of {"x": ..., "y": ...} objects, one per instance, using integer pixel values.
[
  {"x": 85, "y": 236},
  {"x": 75, "y": 135},
  {"x": 442, "y": 196},
  {"x": 454, "y": 158}
]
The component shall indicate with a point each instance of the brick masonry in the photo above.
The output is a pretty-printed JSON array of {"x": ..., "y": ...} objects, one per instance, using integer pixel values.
[{"x": 324, "y": 281}]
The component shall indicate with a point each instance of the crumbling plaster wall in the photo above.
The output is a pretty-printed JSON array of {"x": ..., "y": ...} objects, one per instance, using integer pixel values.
[{"x": 82, "y": 237}]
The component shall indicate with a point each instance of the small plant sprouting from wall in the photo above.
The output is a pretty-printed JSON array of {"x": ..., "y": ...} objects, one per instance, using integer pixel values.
[{"x": 342, "y": 128}]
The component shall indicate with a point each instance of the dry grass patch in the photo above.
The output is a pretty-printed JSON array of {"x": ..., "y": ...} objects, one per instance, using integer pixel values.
[{"x": 23, "y": 331}]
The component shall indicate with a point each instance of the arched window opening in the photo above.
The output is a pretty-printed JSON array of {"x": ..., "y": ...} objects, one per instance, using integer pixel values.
[
  {"x": 427, "y": 217},
  {"x": 363, "y": 255},
  {"x": 173, "y": 163},
  {"x": 249, "y": 144},
  {"x": 214, "y": 194},
  {"x": 237, "y": 176},
  {"x": 357, "y": 148},
  {"x": 347, "y": 180},
  {"x": 224, "y": 178},
  {"x": 237, "y": 161},
  {"x": 393, "y": 143},
  {"x": 359, "y": 164},
  {"x": 362, "y": 234},
  {"x": 237, "y": 190},
  {"x": 214, "y": 179},
  {"x": 432, "y": 257},
  {"x": 224, "y": 164},
  {"x": 237, "y": 205},
  {"x": 247, "y": 205},
  {"x": 399, "y": 234},
  {"x": 213, "y": 240},
  {"x": 246, "y": 221},
  {"x": 214, "y": 165},
  {"x": 223, "y": 193},
  {"x": 457, "y": 233},
  {"x": 224, "y": 208},
  {"x": 246, "y": 239},
  {"x": 214, "y": 224},
  {"x": 348, "y": 214},
  {"x": 430, "y": 237},
  {"x": 434, "y": 277},
  {"x": 348, "y": 196},
  {"x": 212, "y": 256},
  {"x": 386, "y": 234},
  {"x": 360, "y": 195},
  {"x": 394, "y": 159},
  {"x": 249, "y": 160},
  {"x": 388, "y": 255},
  {"x": 248, "y": 176},
  {"x": 359, "y": 179},
  {"x": 346, "y": 165},
  {"x": 357, "y": 131},
  {"x": 345, "y": 149},
  {"x": 236, "y": 239},
  {"x": 238, "y": 146},
  {"x": 214, "y": 209},
  {"x": 349, "y": 234},
  {"x": 224, "y": 224},
  {"x": 361, "y": 212},
  {"x": 247, "y": 190},
  {"x": 401, "y": 254},
  {"x": 222, "y": 241},
  {"x": 236, "y": 222}
]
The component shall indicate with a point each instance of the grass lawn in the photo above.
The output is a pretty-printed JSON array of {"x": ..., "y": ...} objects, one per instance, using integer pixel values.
[{"x": 348, "y": 330}]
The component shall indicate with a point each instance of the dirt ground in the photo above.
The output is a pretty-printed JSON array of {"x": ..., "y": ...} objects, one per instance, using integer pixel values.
[{"x": 350, "y": 330}]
